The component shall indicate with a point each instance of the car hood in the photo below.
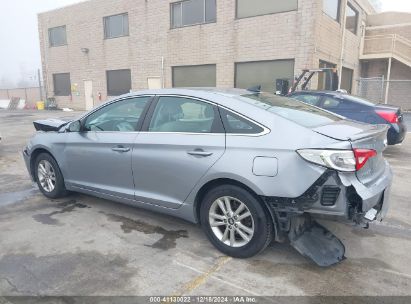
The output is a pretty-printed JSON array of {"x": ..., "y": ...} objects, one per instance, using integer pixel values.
[
  {"x": 49, "y": 125},
  {"x": 349, "y": 130}
]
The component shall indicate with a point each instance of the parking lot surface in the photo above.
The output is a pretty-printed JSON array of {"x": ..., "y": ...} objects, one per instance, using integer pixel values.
[{"x": 82, "y": 245}]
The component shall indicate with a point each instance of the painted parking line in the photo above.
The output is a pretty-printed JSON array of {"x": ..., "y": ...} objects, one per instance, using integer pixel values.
[
  {"x": 211, "y": 276},
  {"x": 202, "y": 278}
]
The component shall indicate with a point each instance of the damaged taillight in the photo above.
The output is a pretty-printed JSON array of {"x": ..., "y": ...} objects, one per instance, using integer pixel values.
[
  {"x": 362, "y": 156},
  {"x": 340, "y": 160}
]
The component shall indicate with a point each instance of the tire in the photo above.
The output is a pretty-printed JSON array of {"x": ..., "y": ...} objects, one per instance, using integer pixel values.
[
  {"x": 258, "y": 221},
  {"x": 53, "y": 174}
]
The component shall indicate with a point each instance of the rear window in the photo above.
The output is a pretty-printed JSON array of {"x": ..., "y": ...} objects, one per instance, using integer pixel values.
[
  {"x": 361, "y": 101},
  {"x": 291, "y": 109}
]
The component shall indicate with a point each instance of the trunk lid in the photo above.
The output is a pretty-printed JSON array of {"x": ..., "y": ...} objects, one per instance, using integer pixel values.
[{"x": 361, "y": 136}]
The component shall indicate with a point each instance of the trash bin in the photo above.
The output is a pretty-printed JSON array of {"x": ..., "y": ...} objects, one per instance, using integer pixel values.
[{"x": 40, "y": 105}]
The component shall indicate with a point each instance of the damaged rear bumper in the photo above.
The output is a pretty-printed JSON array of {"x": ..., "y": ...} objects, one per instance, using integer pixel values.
[{"x": 336, "y": 196}]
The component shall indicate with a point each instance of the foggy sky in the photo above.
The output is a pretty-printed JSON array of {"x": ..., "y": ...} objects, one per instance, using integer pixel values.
[
  {"x": 19, "y": 45},
  {"x": 19, "y": 39}
]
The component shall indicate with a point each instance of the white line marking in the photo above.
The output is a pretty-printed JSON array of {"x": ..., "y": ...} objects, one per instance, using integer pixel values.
[{"x": 217, "y": 279}]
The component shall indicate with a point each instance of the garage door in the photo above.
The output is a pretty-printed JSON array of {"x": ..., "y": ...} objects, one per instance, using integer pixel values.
[
  {"x": 264, "y": 73},
  {"x": 194, "y": 76}
]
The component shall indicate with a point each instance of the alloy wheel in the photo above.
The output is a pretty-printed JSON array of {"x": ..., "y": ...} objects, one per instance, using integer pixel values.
[
  {"x": 46, "y": 175},
  {"x": 231, "y": 221}
]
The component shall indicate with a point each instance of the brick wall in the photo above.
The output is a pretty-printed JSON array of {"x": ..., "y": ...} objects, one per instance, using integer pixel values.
[
  {"x": 30, "y": 95},
  {"x": 305, "y": 35}
]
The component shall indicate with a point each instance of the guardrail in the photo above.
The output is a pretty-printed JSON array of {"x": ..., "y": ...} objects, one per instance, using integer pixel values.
[{"x": 385, "y": 46}]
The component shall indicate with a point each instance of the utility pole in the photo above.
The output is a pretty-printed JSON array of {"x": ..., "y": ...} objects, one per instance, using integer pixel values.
[
  {"x": 342, "y": 53},
  {"x": 39, "y": 79}
]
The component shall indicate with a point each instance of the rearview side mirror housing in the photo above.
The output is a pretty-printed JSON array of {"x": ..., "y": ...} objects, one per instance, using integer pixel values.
[{"x": 74, "y": 126}]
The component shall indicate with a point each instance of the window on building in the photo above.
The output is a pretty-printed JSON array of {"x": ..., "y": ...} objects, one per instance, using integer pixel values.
[
  {"x": 332, "y": 8},
  {"x": 57, "y": 36},
  {"x": 194, "y": 76},
  {"x": 116, "y": 26},
  {"x": 118, "y": 82},
  {"x": 264, "y": 73},
  {"x": 247, "y": 8},
  {"x": 192, "y": 12},
  {"x": 346, "y": 79},
  {"x": 325, "y": 79},
  {"x": 352, "y": 19},
  {"x": 62, "y": 84}
]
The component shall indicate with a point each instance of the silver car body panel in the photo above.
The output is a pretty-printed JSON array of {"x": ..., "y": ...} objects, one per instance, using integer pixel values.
[{"x": 158, "y": 173}]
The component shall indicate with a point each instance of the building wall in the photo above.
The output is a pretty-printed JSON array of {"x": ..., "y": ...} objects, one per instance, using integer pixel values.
[
  {"x": 400, "y": 85},
  {"x": 30, "y": 95},
  {"x": 305, "y": 35},
  {"x": 330, "y": 37}
]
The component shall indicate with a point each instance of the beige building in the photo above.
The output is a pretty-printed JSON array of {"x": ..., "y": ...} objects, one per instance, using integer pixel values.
[
  {"x": 102, "y": 48},
  {"x": 386, "y": 54}
]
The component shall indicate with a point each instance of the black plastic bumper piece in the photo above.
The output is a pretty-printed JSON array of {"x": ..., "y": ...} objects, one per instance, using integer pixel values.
[{"x": 316, "y": 242}]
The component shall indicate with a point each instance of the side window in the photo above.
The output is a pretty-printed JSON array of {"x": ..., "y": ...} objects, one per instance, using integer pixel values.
[
  {"x": 235, "y": 124},
  {"x": 309, "y": 99},
  {"x": 121, "y": 116},
  {"x": 178, "y": 114},
  {"x": 331, "y": 103},
  {"x": 349, "y": 105}
]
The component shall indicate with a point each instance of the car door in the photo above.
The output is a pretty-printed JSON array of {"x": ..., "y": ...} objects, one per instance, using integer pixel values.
[
  {"x": 180, "y": 141},
  {"x": 99, "y": 156}
]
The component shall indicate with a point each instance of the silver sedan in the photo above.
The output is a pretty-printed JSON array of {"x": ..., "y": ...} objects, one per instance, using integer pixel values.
[{"x": 250, "y": 167}]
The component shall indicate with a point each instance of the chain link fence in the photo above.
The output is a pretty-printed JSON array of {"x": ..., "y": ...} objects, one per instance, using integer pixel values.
[
  {"x": 393, "y": 92},
  {"x": 30, "y": 95}
]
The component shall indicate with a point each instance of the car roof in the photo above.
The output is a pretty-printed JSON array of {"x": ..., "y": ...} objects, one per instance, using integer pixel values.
[
  {"x": 331, "y": 93},
  {"x": 194, "y": 92}
]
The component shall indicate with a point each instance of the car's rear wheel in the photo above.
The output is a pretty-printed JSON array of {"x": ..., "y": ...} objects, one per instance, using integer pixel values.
[
  {"x": 235, "y": 221},
  {"x": 49, "y": 177}
]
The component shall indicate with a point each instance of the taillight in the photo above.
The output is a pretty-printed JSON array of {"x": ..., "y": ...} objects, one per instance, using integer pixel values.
[
  {"x": 388, "y": 116},
  {"x": 362, "y": 156},
  {"x": 340, "y": 160}
]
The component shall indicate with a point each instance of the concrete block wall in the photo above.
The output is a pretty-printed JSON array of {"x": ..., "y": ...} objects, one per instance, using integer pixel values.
[{"x": 305, "y": 35}]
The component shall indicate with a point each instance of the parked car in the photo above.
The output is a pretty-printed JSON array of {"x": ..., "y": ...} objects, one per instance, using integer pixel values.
[
  {"x": 358, "y": 109},
  {"x": 249, "y": 167}
]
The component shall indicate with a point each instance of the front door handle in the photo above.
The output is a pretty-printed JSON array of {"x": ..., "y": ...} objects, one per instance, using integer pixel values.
[
  {"x": 201, "y": 153},
  {"x": 121, "y": 149}
]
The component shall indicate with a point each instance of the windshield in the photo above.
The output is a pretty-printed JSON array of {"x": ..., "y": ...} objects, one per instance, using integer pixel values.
[{"x": 291, "y": 109}]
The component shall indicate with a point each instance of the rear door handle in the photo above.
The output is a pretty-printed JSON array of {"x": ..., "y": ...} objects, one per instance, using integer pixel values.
[
  {"x": 200, "y": 153},
  {"x": 121, "y": 149}
]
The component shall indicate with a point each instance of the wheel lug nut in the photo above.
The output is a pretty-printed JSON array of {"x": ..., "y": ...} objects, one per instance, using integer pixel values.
[
  {"x": 235, "y": 225},
  {"x": 230, "y": 227},
  {"x": 225, "y": 221}
]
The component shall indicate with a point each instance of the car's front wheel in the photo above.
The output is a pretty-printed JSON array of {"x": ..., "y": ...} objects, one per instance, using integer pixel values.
[
  {"x": 235, "y": 221},
  {"x": 49, "y": 177}
]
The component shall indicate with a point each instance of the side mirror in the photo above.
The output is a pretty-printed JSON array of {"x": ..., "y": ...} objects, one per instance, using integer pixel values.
[{"x": 75, "y": 126}]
